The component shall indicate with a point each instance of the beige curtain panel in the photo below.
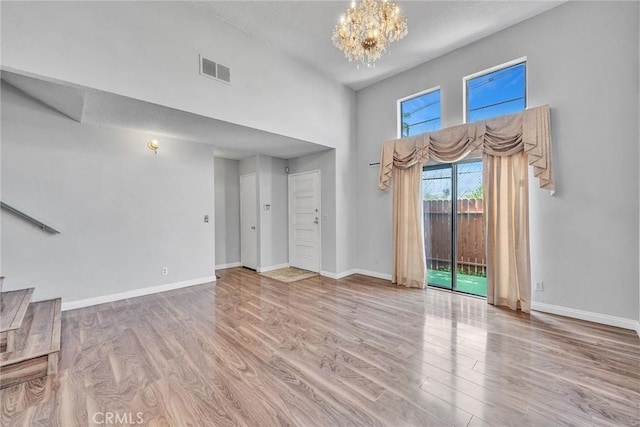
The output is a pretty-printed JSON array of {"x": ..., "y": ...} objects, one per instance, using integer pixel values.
[
  {"x": 506, "y": 219},
  {"x": 409, "y": 267},
  {"x": 507, "y": 143}
]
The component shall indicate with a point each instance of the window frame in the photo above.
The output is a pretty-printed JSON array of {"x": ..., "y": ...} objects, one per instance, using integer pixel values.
[
  {"x": 495, "y": 68},
  {"x": 408, "y": 97}
]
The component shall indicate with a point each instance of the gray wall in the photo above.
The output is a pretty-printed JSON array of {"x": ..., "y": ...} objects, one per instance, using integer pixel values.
[
  {"x": 124, "y": 212},
  {"x": 227, "y": 211},
  {"x": 583, "y": 62},
  {"x": 248, "y": 166},
  {"x": 273, "y": 224},
  {"x": 325, "y": 162},
  {"x": 346, "y": 163},
  {"x": 271, "y": 178}
]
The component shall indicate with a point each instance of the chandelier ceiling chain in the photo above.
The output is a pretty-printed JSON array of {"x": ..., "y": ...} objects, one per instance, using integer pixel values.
[{"x": 366, "y": 29}]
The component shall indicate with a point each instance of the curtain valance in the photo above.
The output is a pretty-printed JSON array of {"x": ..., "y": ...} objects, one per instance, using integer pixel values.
[{"x": 527, "y": 131}]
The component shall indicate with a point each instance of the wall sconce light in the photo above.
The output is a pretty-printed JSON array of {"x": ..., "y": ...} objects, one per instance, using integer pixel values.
[{"x": 153, "y": 145}]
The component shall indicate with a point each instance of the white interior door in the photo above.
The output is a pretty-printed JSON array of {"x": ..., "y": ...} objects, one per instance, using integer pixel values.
[
  {"x": 248, "y": 221},
  {"x": 304, "y": 220}
]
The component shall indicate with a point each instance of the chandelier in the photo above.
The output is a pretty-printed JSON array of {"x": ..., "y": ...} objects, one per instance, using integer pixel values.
[{"x": 365, "y": 30}]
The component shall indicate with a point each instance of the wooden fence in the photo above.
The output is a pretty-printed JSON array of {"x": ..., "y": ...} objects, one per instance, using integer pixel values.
[{"x": 471, "y": 242}]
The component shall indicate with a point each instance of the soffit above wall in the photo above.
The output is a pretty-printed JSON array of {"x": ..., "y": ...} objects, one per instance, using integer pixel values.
[
  {"x": 67, "y": 99},
  {"x": 93, "y": 107}
]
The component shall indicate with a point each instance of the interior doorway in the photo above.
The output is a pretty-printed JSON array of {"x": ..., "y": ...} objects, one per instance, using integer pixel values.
[{"x": 248, "y": 221}]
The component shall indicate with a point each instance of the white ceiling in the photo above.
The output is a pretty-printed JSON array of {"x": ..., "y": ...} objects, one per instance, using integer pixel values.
[{"x": 302, "y": 29}]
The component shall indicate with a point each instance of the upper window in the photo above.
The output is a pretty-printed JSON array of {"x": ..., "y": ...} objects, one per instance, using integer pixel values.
[
  {"x": 495, "y": 92},
  {"x": 419, "y": 113}
]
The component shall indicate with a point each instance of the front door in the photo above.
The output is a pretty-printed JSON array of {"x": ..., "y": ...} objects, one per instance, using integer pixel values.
[{"x": 304, "y": 220}]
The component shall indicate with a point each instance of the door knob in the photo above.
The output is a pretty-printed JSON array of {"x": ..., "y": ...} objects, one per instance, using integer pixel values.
[{"x": 253, "y": 227}]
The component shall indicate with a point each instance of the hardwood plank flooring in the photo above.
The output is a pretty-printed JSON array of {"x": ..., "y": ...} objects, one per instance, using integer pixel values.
[
  {"x": 251, "y": 351},
  {"x": 13, "y": 307},
  {"x": 37, "y": 345}
]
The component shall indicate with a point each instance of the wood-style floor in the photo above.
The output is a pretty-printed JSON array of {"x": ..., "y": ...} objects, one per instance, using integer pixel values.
[{"x": 251, "y": 351}]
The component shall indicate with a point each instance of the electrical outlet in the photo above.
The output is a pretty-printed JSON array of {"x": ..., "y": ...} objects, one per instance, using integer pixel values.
[
  {"x": 539, "y": 286},
  {"x": 165, "y": 271}
]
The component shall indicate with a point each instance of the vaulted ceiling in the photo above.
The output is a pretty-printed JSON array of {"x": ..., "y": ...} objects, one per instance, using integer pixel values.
[{"x": 301, "y": 30}]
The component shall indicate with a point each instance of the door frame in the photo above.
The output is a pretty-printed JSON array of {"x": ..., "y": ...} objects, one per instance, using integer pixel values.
[
  {"x": 453, "y": 167},
  {"x": 319, "y": 199},
  {"x": 257, "y": 214}
]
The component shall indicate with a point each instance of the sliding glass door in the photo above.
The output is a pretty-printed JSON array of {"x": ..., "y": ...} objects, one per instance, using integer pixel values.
[
  {"x": 453, "y": 226},
  {"x": 437, "y": 185}
]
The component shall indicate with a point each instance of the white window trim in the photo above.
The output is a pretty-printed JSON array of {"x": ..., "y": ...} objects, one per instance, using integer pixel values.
[
  {"x": 491, "y": 70},
  {"x": 408, "y": 97}
]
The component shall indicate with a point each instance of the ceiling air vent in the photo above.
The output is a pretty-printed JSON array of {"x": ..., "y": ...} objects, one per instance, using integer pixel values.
[{"x": 212, "y": 69}]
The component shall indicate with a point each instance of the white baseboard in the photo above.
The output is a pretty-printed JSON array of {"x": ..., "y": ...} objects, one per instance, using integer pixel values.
[
  {"x": 328, "y": 274},
  {"x": 347, "y": 273},
  {"x": 332, "y": 275},
  {"x": 71, "y": 305},
  {"x": 272, "y": 267},
  {"x": 638, "y": 328},
  {"x": 228, "y": 265},
  {"x": 355, "y": 271},
  {"x": 376, "y": 274},
  {"x": 590, "y": 316}
]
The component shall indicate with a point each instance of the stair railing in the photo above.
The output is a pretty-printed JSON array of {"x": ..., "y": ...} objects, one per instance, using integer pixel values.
[{"x": 40, "y": 224}]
